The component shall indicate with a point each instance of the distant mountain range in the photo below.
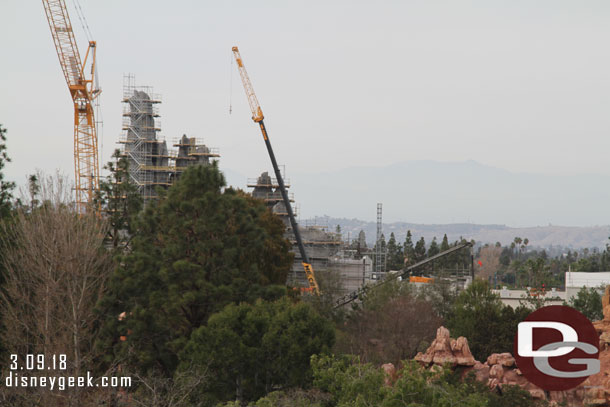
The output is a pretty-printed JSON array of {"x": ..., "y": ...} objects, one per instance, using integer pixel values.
[
  {"x": 459, "y": 198},
  {"x": 540, "y": 236}
]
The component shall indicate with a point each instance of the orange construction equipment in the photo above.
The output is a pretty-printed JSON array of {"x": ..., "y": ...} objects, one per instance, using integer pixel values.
[
  {"x": 416, "y": 279},
  {"x": 83, "y": 92}
]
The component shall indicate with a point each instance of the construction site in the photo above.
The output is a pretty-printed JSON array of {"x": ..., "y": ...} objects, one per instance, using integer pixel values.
[
  {"x": 152, "y": 164},
  {"x": 204, "y": 277},
  {"x": 155, "y": 164}
]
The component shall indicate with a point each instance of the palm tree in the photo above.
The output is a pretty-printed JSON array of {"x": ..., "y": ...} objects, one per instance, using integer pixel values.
[{"x": 518, "y": 241}]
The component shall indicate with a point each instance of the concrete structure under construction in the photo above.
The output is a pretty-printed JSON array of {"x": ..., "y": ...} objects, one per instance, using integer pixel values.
[
  {"x": 322, "y": 246},
  {"x": 151, "y": 163},
  {"x": 353, "y": 272},
  {"x": 267, "y": 189}
]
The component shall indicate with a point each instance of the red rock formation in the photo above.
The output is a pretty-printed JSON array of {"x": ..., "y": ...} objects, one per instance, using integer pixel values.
[
  {"x": 445, "y": 350},
  {"x": 500, "y": 369}
]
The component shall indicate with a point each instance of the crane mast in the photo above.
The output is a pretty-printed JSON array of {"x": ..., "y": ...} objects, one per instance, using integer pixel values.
[
  {"x": 83, "y": 92},
  {"x": 257, "y": 116}
]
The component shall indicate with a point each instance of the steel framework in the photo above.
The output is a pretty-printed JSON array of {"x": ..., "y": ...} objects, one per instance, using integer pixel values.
[{"x": 83, "y": 91}]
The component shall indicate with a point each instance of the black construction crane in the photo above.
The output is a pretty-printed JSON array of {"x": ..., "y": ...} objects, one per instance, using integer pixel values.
[
  {"x": 257, "y": 116},
  {"x": 354, "y": 295}
]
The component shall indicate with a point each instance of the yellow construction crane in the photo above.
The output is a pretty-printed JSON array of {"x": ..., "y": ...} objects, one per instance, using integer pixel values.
[
  {"x": 83, "y": 91},
  {"x": 257, "y": 116}
]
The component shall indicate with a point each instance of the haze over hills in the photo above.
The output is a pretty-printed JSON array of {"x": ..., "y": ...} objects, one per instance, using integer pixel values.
[
  {"x": 461, "y": 198},
  {"x": 539, "y": 236}
]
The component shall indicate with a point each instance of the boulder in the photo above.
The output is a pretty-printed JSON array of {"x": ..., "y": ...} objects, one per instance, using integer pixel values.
[
  {"x": 445, "y": 350},
  {"x": 504, "y": 359},
  {"x": 390, "y": 374},
  {"x": 461, "y": 351},
  {"x": 439, "y": 351}
]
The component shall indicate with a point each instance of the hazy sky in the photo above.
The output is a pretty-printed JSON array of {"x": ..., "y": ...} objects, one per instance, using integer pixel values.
[{"x": 519, "y": 85}]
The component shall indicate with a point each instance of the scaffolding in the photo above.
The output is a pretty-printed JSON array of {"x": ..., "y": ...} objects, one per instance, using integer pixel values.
[
  {"x": 320, "y": 244},
  {"x": 380, "y": 252},
  {"x": 266, "y": 189},
  {"x": 151, "y": 164}
]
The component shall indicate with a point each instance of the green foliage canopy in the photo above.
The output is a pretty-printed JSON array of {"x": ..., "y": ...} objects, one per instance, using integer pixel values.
[
  {"x": 589, "y": 302},
  {"x": 6, "y": 187},
  {"x": 195, "y": 251},
  {"x": 252, "y": 349},
  {"x": 480, "y": 316},
  {"x": 353, "y": 384}
]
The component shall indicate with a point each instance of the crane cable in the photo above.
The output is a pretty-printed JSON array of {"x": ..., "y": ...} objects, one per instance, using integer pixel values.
[
  {"x": 82, "y": 19},
  {"x": 231, "y": 83}
]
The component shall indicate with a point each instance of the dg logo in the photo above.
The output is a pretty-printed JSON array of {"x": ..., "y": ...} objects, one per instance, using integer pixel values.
[{"x": 556, "y": 348}]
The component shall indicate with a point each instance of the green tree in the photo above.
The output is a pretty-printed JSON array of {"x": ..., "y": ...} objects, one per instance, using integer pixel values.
[
  {"x": 480, "y": 316},
  {"x": 589, "y": 302},
  {"x": 34, "y": 190},
  {"x": 434, "y": 249},
  {"x": 394, "y": 254},
  {"x": 444, "y": 261},
  {"x": 6, "y": 187},
  {"x": 420, "y": 250},
  {"x": 198, "y": 249},
  {"x": 352, "y": 383},
  {"x": 445, "y": 243},
  {"x": 293, "y": 398},
  {"x": 252, "y": 349},
  {"x": 120, "y": 199},
  {"x": 441, "y": 295},
  {"x": 536, "y": 272},
  {"x": 517, "y": 246},
  {"x": 408, "y": 249}
]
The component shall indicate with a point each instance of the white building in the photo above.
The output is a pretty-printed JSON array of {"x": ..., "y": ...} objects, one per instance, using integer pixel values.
[
  {"x": 514, "y": 298},
  {"x": 577, "y": 280}
]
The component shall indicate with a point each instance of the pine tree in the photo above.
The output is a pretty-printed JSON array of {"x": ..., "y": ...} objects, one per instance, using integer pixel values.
[
  {"x": 395, "y": 258},
  {"x": 445, "y": 243},
  {"x": 198, "y": 249},
  {"x": 408, "y": 250},
  {"x": 420, "y": 250},
  {"x": 120, "y": 199},
  {"x": 6, "y": 187},
  {"x": 434, "y": 249},
  {"x": 444, "y": 261}
]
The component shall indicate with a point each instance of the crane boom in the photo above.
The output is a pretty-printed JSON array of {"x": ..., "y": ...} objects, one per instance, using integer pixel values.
[
  {"x": 83, "y": 93},
  {"x": 257, "y": 116}
]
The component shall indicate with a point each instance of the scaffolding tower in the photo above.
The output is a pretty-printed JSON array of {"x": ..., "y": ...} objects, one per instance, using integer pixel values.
[
  {"x": 266, "y": 188},
  {"x": 151, "y": 163},
  {"x": 319, "y": 243},
  {"x": 380, "y": 254}
]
